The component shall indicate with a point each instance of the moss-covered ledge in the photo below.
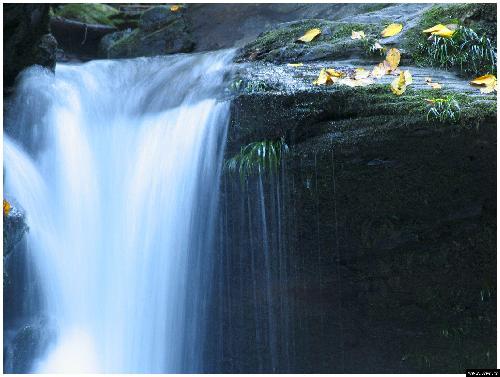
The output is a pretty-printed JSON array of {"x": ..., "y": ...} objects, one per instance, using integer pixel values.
[
  {"x": 279, "y": 45},
  {"x": 374, "y": 110}
]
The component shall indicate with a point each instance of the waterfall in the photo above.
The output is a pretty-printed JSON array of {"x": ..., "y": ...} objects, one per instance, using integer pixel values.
[{"x": 117, "y": 166}]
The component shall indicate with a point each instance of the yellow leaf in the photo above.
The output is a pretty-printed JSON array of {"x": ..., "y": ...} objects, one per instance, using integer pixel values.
[
  {"x": 328, "y": 76},
  {"x": 322, "y": 78},
  {"x": 361, "y": 73},
  {"x": 393, "y": 57},
  {"x": 175, "y": 8},
  {"x": 334, "y": 73},
  {"x": 489, "y": 83},
  {"x": 434, "y": 85},
  {"x": 487, "y": 80},
  {"x": 392, "y": 29},
  {"x": 434, "y": 28},
  {"x": 325, "y": 78},
  {"x": 295, "y": 64},
  {"x": 358, "y": 34},
  {"x": 445, "y": 33},
  {"x": 378, "y": 71},
  {"x": 310, "y": 35},
  {"x": 440, "y": 30},
  {"x": 6, "y": 207},
  {"x": 398, "y": 85},
  {"x": 408, "y": 77}
]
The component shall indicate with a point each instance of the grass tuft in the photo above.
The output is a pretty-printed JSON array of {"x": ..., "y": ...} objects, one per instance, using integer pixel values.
[
  {"x": 444, "y": 110},
  {"x": 257, "y": 157}
]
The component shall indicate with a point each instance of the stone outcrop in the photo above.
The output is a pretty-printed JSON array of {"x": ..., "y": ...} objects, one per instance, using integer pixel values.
[
  {"x": 160, "y": 32},
  {"x": 27, "y": 39}
]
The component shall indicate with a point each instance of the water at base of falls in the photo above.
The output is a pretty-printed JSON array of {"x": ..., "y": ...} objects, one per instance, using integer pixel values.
[{"x": 117, "y": 166}]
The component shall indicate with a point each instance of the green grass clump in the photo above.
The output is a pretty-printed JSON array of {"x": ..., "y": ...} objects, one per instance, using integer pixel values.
[
  {"x": 465, "y": 50},
  {"x": 444, "y": 110},
  {"x": 257, "y": 157},
  {"x": 471, "y": 50}
]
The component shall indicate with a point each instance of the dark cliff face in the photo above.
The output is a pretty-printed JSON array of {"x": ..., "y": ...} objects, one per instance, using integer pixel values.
[
  {"x": 372, "y": 250},
  {"x": 27, "y": 39}
]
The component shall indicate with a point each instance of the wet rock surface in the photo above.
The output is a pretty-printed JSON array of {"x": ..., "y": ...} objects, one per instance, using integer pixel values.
[
  {"x": 27, "y": 39},
  {"x": 160, "y": 32},
  {"x": 372, "y": 249},
  {"x": 380, "y": 235},
  {"x": 26, "y": 333}
]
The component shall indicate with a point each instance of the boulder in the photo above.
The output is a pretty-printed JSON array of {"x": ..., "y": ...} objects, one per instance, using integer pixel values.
[
  {"x": 26, "y": 345},
  {"x": 27, "y": 39},
  {"x": 160, "y": 32}
]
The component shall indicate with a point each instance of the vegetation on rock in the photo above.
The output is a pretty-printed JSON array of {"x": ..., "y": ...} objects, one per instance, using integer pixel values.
[
  {"x": 89, "y": 13},
  {"x": 470, "y": 49},
  {"x": 258, "y": 157}
]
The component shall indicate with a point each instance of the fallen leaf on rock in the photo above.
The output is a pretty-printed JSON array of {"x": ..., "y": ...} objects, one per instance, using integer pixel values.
[
  {"x": 434, "y": 28},
  {"x": 175, "y": 8},
  {"x": 408, "y": 77},
  {"x": 358, "y": 34},
  {"x": 310, "y": 35},
  {"x": 334, "y": 73},
  {"x": 6, "y": 207},
  {"x": 399, "y": 84},
  {"x": 379, "y": 70},
  {"x": 434, "y": 85},
  {"x": 393, "y": 57},
  {"x": 295, "y": 64},
  {"x": 487, "y": 82},
  {"x": 325, "y": 78},
  {"x": 322, "y": 78},
  {"x": 391, "y": 30},
  {"x": 440, "y": 30}
]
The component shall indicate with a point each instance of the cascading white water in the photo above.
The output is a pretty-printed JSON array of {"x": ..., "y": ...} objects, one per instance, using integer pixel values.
[{"x": 117, "y": 166}]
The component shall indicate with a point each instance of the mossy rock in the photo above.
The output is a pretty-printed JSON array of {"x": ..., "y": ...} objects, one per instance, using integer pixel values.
[
  {"x": 280, "y": 45},
  {"x": 159, "y": 33},
  {"x": 368, "y": 113},
  {"x": 88, "y": 13}
]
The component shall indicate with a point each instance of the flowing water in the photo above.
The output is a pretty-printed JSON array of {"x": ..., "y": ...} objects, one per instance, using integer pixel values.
[{"x": 117, "y": 165}]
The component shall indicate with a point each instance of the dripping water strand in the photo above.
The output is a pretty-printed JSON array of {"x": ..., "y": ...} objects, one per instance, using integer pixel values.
[{"x": 338, "y": 261}]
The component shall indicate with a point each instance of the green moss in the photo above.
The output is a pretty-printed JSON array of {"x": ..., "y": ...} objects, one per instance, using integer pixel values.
[
  {"x": 280, "y": 43},
  {"x": 125, "y": 43},
  {"x": 88, "y": 13}
]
